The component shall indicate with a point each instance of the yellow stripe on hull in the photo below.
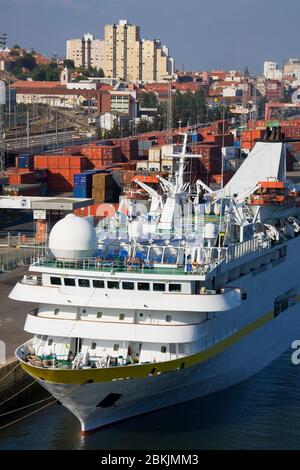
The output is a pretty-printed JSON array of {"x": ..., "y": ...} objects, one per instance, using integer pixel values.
[{"x": 79, "y": 376}]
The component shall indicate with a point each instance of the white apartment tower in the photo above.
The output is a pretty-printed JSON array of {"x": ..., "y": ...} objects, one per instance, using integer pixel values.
[
  {"x": 130, "y": 58},
  {"x": 86, "y": 52},
  {"x": 272, "y": 71}
]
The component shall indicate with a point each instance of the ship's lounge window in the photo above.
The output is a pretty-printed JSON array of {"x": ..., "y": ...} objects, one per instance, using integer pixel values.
[
  {"x": 128, "y": 285},
  {"x": 174, "y": 287},
  {"x": 83, "y": 282},
  {"x": 143, "y": 286},
  {"x": 98, "y": 284},
  {"x": 69, "y": 281},
  {"x": 116, "y": 347},
  {"x": 172, "y": 348},
  {"x": 93, "y": 345},
  {"x": 122, "y": 316},
  {"x": 159, "y": 287},
  {"x": 181, "y": 348},
  {"x": 168, "y": 318},
  {"x": 55, "y": 281},
  {"x": 113, "y": 284},
  {"x": 163, "y": 349}
]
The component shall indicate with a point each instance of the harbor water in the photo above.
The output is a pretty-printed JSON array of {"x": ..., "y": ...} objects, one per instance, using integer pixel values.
[{"x": 260, "y": 413}]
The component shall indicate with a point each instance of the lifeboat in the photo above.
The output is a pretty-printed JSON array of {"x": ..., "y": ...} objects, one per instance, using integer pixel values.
[
  {"x": 274, "y": 201},
  {"x": 272, "y": 193}
]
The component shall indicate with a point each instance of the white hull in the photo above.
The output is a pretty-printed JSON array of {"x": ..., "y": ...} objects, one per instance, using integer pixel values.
[{"x": 139, "y": 396}]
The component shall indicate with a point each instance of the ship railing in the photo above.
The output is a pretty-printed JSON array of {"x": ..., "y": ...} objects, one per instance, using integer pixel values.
[
  {"x": 203, "y": 260},
  {"x": 244, "y": 248}
]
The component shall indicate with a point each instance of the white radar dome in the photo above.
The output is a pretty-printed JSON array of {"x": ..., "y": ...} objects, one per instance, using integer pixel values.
[{"x": 73, "y": 238}]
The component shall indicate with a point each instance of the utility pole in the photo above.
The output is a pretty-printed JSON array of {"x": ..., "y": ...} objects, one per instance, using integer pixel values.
[
  {"x": 2, "y": 150},
  {"x": 169, "y": 138},
  {"x": 27, "y": 129}
]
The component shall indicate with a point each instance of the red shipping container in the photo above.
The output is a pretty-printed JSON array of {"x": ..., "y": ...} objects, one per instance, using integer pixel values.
[
  {"x": 40, "y": 161},
  {"x": 21, "y": 178}
]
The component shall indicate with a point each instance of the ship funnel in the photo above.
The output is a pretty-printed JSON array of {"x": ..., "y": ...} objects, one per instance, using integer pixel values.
[
  {"x": 267, "y": 133},
  {"x": 273, "y": 133}
]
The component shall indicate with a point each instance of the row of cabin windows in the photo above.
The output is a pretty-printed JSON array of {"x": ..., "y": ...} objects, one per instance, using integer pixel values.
[
  {"x": 126, "y": 285},
  {"x": 116, "y": 347},
  {"x": 121, "y": 316}
]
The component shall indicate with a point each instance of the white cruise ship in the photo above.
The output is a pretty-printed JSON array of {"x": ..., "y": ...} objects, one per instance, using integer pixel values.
[{"x": 193, "y": 296}]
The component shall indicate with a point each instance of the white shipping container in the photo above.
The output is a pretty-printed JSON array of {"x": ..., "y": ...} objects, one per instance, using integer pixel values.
[
  {"x": 154, "y": 154},
  {"x": 167, "y": 165},
  {"x": 142, "y": 166},
  {"x": 169, "y": 149},
  {"x": 153, "y": 167}
]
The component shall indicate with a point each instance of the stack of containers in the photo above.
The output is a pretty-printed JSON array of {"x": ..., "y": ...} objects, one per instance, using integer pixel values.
[
  {"x": 167, "y": 161},
  {"x": 99, "y": 155},
  {"x": 144, "y": 146},
  {"x": 219, "y": 139},
  {"x": 248, "y": 138},
  {"x": 60, "y": 170},
  {"x": 154, "y": 158},
  {"x": 20, "y": 176},
  {"x": 210, "y": 161},
  {"x": 104, "y": 188},
  {"x": 83, "y": 184}
]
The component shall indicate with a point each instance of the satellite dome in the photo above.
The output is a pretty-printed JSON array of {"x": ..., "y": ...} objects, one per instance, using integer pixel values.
[{"x": 73, "y": 238}]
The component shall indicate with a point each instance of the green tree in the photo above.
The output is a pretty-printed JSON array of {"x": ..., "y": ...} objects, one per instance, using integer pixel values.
[
  {"x": 125, "y": 129},
  {"x": 69, "y": 63},
  {"x": 115, "y": 131},
  {"x": 143, "y": 126},
  {"x": 149, "y": 100}
]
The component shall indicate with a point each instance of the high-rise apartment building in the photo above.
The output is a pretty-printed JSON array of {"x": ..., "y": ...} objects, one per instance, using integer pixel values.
[
  {"x": 86, "y": 52},
  {"x": 130, "y": 58},
  {"x": 272, "y": 71}
]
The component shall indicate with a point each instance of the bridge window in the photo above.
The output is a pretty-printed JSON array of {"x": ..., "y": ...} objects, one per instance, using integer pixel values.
[
  {"x": 174, "y": 287},
  {"x": 83, "y": 282},
  {"x": 56, "y": 311},
  {"x": 69, "y": 281},
  {"x": 128, "y": 285},
  {"x": 168, "y": 318},
  {"x": 116, "y": 347},
  {"x": 99, "y": 314},
  {"x": 50, "y": 342},
  {"x": 122, "y": 316},
  {"x": 172, "y": 348},
  {"x": 181, "y": 348},
  {"x": 163, "y": 349},
  {"x": 93, "y": 345},
  {"x": 98, "y": 284},
  {"x": 55, "y": 281},
  {"x": 159, "y": 287},
  {"x": 113, "y": 284},
  {"x": 143, "y": 286}
]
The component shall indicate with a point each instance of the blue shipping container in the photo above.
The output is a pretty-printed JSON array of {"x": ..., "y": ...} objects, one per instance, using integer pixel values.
[{"x": 24, "y": 160}]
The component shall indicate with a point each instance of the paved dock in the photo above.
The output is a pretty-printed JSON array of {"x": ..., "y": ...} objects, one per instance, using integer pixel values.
[{"x": 12, "y": 313}]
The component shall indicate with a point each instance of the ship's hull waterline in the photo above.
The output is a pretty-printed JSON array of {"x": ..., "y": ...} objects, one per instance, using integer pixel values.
[{"x": 138, "y": 396}]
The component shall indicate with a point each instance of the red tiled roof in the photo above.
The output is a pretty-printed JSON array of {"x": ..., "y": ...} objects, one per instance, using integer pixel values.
[{"x": 35, "y": 84}]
